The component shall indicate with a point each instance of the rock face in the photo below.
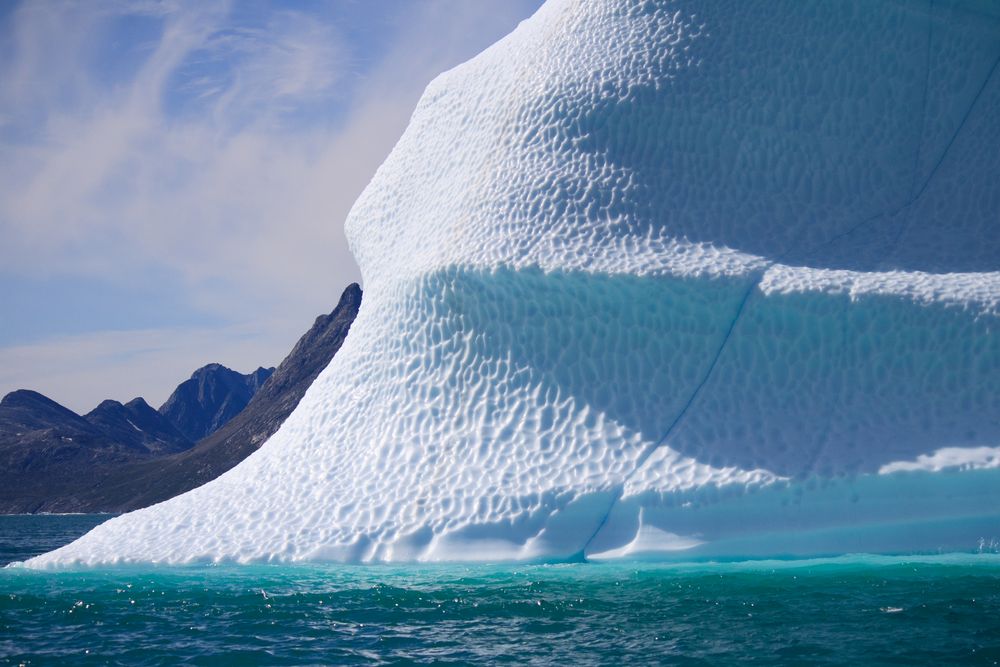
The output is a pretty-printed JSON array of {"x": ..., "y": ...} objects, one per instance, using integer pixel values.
[
  {"x": 48, "y": 452},
  {"x": 137, "y": 425},
  {"x": 122, "y": 457},
  {"x": 25, "y": 410},
  {"x": 35, "y": 431},
  {"x": 651, "y": 278},
  {"x": 211, "y": 397},
  {"x": 54, "y": 460},
  {"x": 134, "y": 486},
  {"x": 276, "y": 399}
]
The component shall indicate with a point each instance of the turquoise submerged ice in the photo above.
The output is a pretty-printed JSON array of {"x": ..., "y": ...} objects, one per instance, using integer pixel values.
[{"x": 655, "y": 279}]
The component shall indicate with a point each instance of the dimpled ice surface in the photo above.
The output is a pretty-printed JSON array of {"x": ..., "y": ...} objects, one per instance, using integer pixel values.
[{"x": 655, "y": 279}]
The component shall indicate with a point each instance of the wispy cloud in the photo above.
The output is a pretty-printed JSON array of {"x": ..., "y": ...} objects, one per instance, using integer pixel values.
[{"x": 220, "y": 146}]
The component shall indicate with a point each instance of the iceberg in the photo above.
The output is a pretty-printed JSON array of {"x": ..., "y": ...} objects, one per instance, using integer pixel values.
[{"x": 665, "y": 279}]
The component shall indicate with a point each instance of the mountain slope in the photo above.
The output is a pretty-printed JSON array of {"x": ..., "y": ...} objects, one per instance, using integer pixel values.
[
  {"x": 211, "y": 397},
  {"x": 36, "y": 432},
  {"x": 47, "y": 450},
  {"x": 51, "y": 457},
  {"x": 137, "y": 425},
  {"x": 145, "y": 483},
  {"x": 26, "y": 410}
]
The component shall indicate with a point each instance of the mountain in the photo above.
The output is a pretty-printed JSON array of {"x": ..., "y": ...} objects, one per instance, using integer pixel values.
[
  {"x": 211, "y": 397},
  {"x": 25, "y": 410},
  {"x": 134, "y": 486},
  {"x": 51, "y": 457},
  {"x": 139, "y": 426},
  {"x": 276, "y": 399},
  {"x": 47, "y": 450},
  {"x": 36, "y": 432}
]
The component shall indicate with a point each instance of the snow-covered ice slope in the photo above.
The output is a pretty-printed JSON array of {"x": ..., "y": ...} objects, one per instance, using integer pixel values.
[{"x": 655, "y": 278}]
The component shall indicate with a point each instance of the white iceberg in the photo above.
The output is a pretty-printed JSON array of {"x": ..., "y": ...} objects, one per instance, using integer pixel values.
[{"x": 654, "y": 278}]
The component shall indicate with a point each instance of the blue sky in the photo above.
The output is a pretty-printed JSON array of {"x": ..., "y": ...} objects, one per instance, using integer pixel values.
[{"x": 174, "y": 176}]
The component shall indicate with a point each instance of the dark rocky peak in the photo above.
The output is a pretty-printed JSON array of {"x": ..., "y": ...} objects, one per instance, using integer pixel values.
[
  {"x": 110, "y": 413},
  {"x": 138, "y": 405},
  {"x": 25, "y": 410},
  {"x": 137, "y": 426},
  {"x": 149, "y": 420},
  {"x": 38, "y": 436},
  {"x": 152, "y": 482},
  {"x": 349, "y": 298},
  {"x": 314, "y": 350},
  {"x": 26, "y": 399},
  {"x": 281, "y": 393},
  {"x": 58, "y": 473},
  {"x": 107, "y": 405},
  {"x": 257, "y": 379},
  {"x": 21, "y": 397},
  {"x": 211, "y": 397}
]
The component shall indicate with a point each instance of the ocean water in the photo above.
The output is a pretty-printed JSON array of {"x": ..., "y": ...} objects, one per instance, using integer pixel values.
[{"x": 941, "y": 609}]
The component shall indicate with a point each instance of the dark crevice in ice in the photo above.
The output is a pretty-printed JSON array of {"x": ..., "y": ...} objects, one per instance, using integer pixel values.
[
  {"x": 958, "y": 130},
  {"x": 923, "y": 100},
  {"x": 915, "y": 193},
  {"x": 680, "y": 415}
]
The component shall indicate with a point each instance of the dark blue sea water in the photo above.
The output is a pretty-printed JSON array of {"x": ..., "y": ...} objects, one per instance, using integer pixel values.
[{"x": 848, "y": 610}]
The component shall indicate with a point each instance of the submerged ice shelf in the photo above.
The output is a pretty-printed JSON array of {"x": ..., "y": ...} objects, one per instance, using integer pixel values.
[{"x": 655, "y": 279}]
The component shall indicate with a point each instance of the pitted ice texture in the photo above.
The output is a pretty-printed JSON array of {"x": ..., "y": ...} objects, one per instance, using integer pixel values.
[{"x": 668, "y": 278}]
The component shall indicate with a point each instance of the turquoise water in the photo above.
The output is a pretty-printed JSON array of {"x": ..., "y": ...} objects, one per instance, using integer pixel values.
[{"x": 848, "y": 610}]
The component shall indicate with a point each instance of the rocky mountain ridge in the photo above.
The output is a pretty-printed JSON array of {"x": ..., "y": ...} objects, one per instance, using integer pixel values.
[
  {"x": 120, "y": 457},
  {"x": 211, "y": 397}
]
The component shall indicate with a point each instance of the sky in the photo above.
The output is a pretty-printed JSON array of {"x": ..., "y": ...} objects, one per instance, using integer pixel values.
[{"x": 174, "y": 176}]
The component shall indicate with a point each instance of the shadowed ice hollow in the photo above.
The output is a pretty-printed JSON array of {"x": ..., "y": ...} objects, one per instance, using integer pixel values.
[{"x": 655, "y": 278}]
